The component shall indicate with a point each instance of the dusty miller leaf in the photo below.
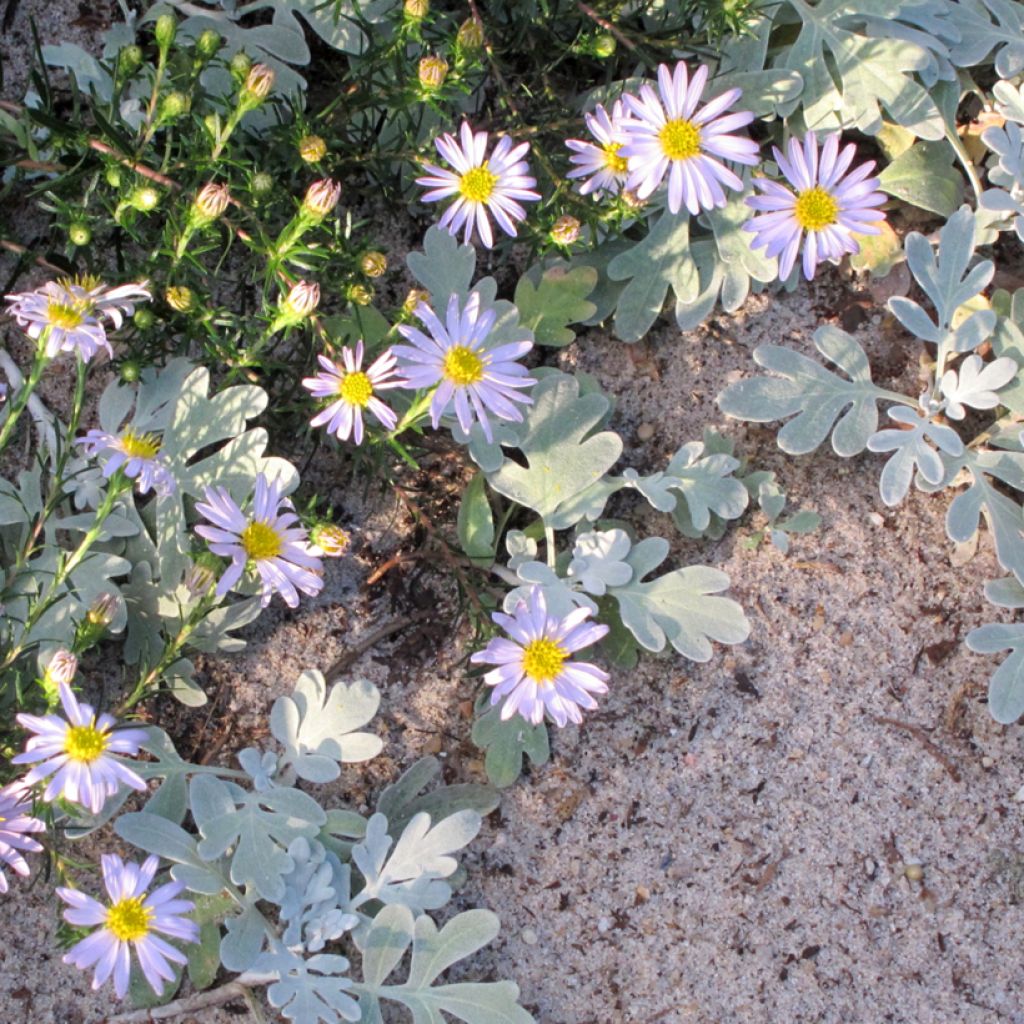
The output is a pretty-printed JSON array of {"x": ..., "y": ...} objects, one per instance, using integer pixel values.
[
  {"x": 1006, "y": 687},
  {"x": 507, "y": 743},
  {"x": 549, "y": 302}
]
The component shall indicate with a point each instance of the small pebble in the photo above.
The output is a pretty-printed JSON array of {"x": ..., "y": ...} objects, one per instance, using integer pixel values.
[
  {"x": 603, "y": 924},
  {"x": 529, "y": 936},
  {"x": 987, "y": 762},
  {"x": 875, "y": 519},
  {"x": 914, "y": 872},
  {"x": 645, "y": 431},
  {"x": 869, "y": 867}
]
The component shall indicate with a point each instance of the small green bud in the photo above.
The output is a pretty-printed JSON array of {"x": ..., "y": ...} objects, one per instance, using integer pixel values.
[
  {"x": 165, "y": 31},
  {"x": 604, "y": 45},
  {"x": 113, "y": 176},
  {"x": 143, "y": 319},
  {"x": 212, "y": 124},
  {"x": 240, "y": 65},
  {"x": 208, "y": 44},
  {"x": 262, "y": 183},
  {"x": 128, "y": 59},
  {"x": 470, "y": 36},
  {"x": 172, "y": 106},
  {"x": 79, "y": 233},
  {"x": 144, "y": 199},
  {"x": 131, "y": 370},
  {"x": 373, "y": 264}
]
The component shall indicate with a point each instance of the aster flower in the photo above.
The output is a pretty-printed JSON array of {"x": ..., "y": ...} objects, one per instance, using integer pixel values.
[
  {"x": 666, "y": 133},
  {"x": 138, "y": 455},
  {"x": 470, "y": 376},
  {"x": 72, "y": 310},
  {"x": 535, "y": 672},
  {"x": 353, "y": 389},
  {"x": 601, "y": 163},
  {"x": 267, "y": 537},
  {"x": 482, "y": 184},
  {"x": 830, "y": 205},
  {"x": 131, "y": 921},
  {"x": 16, "y": 822},
  {"x": 76, "y": 755}
]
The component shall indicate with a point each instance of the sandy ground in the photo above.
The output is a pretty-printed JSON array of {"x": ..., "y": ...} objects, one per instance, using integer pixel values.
[{"x": 719, "y": 844}]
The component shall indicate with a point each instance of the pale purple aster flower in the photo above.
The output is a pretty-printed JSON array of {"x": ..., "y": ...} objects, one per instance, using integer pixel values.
[
  {"x": 16, "y": 822},
  {"x": 601, "y": 163},
  {"x": 353, "y": 390},
  {"x": 72, "y": 310},
  {"x": 267, "y": 537},
  {"x": 470, "y": 376},
  {"x": 481, "y": 184},
  {"x": 828, "y": 208},
  {"x": 137, "y": 454},
  {"x": 535, "y": 672},
  {"x": 131, "y": 921},
  {"x": 76, "y": 755},
  {"x": 666, "y": 133}
]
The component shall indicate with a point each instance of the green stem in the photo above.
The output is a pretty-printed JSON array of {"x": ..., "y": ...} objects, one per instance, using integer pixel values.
[{"x": 20, "y": 401}]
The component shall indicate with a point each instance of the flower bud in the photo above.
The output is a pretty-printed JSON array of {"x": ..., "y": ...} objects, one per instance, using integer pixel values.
[
  {"x": 102, "y": 611},
  {"x": 433, "y": 71},
  {"x": 258, "y": 84},
  {"x": 470, "y": 36},
  {"x": 128, "y": 59},
  {"x": 62, "y": 668},
  {"x": 321, "y": 197},
  {"x": 198, "y": 579},
  {"x": 414, "y": 298},
  {"x": 143, "y": 318},
  {"x": 210, "y": 203},
  {"x": 172, "y": 106},
  {"x": 144, "y": 199},
  {"x": 604, "y": 45},
  {"x": 332, "y": 540},
  {"x": 240, "y": 65},
  {"x": 180, "y": 298},
  {"x": 261, "y": 183},
  {"x": 302, "y": 300},
  {"x": 565, "y": 230},
  {"x": 165, "y": 31},
  {"x": 113, "y": 176},
  {"x": 631, "y": 199},
  {"x": 208, "y": 44},
  {"x": 359, "y": 294},
  {"x": 312, "y": 149},
  {"x": 373, "y": 264},
  {"x": 130, "y": 371},
  {"x": 79, "y": 233},
  {"x": 416, "y": 10}
]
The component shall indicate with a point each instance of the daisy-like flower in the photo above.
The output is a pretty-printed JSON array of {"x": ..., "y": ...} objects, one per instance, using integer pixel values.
[
  {"x": 482, "y": 184},
  {"x": 73, "y": 311},
  {"x": 16, "y": 822},
  {"x": 830, "y": 205},
  {"x": 131, "y": 921},
  {"x": 666, "y": 133},
  {"x": 75, "y": 755},
  {"x": 470, "y": 376},
  {"x": 535, "y": 672},
  {"x": 353, "y": 389},
  {"x": 137, "y": 454},
  {"x": 267, "y": 538},
  {"x": 601, "y": 163}
]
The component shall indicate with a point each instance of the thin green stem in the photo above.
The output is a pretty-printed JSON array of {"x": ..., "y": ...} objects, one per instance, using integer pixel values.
[{"x": 18, "y": 405}]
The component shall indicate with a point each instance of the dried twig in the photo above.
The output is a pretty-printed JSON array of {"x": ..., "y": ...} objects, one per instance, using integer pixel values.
[
  {"x": 922, "y": 737},
  {"x": 606, "y": 25},
  {"x": 353, "y": 654},
  {"x": 179, "y": 1007}
]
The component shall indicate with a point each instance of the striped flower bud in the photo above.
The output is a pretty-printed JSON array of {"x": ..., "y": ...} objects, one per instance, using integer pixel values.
[
  {"x": 373, "y": 264},
  {"x": 321, "y": 197},
  {"x": 312, "y": 149}
]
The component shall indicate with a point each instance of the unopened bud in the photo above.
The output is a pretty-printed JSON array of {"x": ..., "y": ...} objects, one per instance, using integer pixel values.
[
  {"x": 130, "y": 371},
  {"x": 321, "y": 197},
  {"x": 373, "y": 264},
  {"x": 165, "y": 31},
  {"x": 180, "y": 298},
  {"x": 416, "y": 10},
  {"x": 79, "y": 233},
  {"x": 102, "y": 611},
  {"x": 433, "y": 71},
  {"x": 211, "y": 202},
  {"x": 470, "y": 36},
  {"x": 143, "y": 318},
  {"x": 208, "y": 44},
  {"x": 359, "y": 294},
  {"x": 198, "y": 579},
  {"x": 128, "y": 59},
  {"x": 312, "y": 149},
  {"x": 258, "y": 84},
  {"x": 604, "y": 45},
  {"x": 172, "y": 106},
  {"x": 565, "y": 230},
  {"x": 302, "y": 300},
  {"x": 240, "y": 65},
  {"x": 332, "y": 540},
  {"x": 631, "y": 199},
  {"x": 261, "y": 183},
  {"x": 144, "y": 199},
  {"x": 414, "y": 298},
  {"x": 62, "y": 668},
  {"x": 113, "y": 176}
]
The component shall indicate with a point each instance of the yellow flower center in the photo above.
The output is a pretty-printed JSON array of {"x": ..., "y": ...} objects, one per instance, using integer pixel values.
[
  {"x": 463, "y": 366},
  {"x": 355, "y": 388},
  {"x": 87, "y": 282},
  {"x": 680, "y": 139},
  {"x": 261, "y": 541},
  {"x": 542, "y": 660},
  {"x": 477, "y": 184},
  {"x": 815, "y": 209},
  {"x": 85, "y": 743},
  {"x": 128, "y": 920},
  {"x": 66, "y": 317},
  {"x": 612, "y": 161},
  {"x": 139, "y": 446}
]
